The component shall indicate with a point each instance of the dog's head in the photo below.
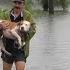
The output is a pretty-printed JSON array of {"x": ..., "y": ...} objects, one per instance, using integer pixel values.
[{"x": 25, "y": 26}]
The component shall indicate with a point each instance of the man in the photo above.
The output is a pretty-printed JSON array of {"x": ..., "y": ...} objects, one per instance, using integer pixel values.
[{"x": 18, "y": 13}]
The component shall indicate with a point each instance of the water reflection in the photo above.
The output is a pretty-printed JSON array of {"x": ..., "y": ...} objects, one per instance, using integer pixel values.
[{"x": 51, "y": 40}]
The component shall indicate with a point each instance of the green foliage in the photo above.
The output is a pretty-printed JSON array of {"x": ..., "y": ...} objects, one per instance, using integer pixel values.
[
  {"x": 58, "y": 3},
  {"x": 2, "y": 13},
  {"x": 28, "y": 4},
  {"x": 61, "y": 3}
]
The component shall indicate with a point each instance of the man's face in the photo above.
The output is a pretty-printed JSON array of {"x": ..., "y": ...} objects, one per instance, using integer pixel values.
[{"x": 18, "y": 4}]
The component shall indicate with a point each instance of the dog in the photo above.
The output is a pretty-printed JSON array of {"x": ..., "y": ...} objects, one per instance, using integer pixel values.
[{"x": 16, "y": 31}]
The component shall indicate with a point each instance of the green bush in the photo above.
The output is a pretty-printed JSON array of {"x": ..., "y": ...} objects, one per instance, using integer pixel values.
[{"x": 3, "y": 13}]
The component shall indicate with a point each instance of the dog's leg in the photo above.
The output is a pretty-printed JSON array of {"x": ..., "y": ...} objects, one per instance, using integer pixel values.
[{"x": 13, "y": 31}]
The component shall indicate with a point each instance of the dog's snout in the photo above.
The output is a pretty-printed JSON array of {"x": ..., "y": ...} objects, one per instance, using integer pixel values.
[{"x": 22, "y": 28}]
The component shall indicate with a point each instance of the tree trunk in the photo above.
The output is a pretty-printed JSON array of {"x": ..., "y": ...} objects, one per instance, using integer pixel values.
[
  {"x": 51, "y": 7},
  {"x": 63, "y": 4},
  {"x": 45, "y": 5}
]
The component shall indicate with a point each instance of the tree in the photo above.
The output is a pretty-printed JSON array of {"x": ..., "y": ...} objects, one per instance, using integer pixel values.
[
  {"x": 51, "y": 7},
  {"x": 28, "y": 4},
  {"x": 63, "y": 4},
  {"x": 45, "y": 5}
]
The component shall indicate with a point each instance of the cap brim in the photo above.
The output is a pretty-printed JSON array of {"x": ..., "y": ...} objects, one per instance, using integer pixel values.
[{"x": 17, "y": 1}]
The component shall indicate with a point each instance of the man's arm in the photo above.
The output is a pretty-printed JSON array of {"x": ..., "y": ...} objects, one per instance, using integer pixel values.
[{"x": 32, "y": 31}]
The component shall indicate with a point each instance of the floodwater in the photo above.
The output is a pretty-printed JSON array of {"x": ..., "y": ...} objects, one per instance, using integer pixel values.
[{"x": 50, "y": 47}]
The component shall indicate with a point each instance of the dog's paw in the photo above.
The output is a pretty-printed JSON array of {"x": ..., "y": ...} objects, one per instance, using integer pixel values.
[{"x": 23, "y": 43}]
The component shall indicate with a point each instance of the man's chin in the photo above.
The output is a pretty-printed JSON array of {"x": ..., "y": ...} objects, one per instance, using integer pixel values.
[{"x": 17, "y": 7}]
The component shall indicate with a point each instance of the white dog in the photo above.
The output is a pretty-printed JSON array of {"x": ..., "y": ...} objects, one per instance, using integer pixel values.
[
  {"x": 25, "y": 26},
  {"x": 13, "y": 33}
]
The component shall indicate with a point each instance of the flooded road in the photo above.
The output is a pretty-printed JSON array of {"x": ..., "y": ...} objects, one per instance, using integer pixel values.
[{"x": 50, "y": 47}]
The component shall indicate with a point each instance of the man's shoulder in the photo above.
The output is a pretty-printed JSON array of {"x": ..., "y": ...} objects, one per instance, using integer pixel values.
[{"x": 27, "y": 13}]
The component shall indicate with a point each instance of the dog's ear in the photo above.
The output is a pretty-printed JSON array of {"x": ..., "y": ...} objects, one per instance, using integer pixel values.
[
  {"x": 1, "y": 27},
  {"x": 19, "y": 23}
]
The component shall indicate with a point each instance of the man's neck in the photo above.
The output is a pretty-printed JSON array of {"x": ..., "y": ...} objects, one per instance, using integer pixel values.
[{"x": 15, "y": 11}]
